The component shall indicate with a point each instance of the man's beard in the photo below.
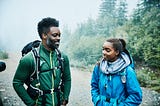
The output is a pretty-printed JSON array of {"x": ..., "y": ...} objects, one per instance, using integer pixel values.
[{"x": 52, "y": 44}]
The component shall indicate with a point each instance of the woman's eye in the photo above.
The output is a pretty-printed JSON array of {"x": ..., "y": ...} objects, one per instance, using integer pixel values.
[{"x": 106, "y": 49}]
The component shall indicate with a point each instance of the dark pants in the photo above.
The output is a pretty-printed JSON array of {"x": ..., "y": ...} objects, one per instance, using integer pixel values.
[{"x": 1, "y": 104}]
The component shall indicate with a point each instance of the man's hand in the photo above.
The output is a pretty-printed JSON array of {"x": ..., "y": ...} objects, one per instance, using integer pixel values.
[{"x": 64, "y": 103}]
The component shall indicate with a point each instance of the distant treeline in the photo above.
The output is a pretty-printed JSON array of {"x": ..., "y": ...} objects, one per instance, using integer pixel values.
[{"x": 140, "y": 30}]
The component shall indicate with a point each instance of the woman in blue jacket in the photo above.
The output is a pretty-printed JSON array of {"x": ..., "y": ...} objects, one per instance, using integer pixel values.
[{"x": 114, "y": 81}]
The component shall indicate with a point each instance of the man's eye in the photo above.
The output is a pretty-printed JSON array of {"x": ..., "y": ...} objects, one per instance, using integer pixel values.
[{"x": 56, "y": 34}]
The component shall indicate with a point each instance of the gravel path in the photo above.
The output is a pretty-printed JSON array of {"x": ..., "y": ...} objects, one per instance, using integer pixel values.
[{"x": 80, "y": 91}]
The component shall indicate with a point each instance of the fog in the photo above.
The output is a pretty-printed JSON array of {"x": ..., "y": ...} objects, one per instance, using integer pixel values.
[{"x": 19, "y": 18}]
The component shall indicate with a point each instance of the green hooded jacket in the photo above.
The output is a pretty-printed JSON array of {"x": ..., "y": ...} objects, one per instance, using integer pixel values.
[{"x": 48, "y": 79}]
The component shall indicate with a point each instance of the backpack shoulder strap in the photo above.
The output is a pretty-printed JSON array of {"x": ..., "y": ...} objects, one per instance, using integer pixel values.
[
  {"x": 36, "y": 57},
  {"x": 60, "y": 60},
  {"x": 123, "y": 76},
  {"x": 61, "y": 67}
]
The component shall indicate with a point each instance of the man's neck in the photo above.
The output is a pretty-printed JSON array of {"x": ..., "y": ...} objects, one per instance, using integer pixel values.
[{"x": 46, "y": 47}]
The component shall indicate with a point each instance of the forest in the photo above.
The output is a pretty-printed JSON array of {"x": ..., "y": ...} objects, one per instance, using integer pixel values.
[{"x": 141, "y": 31}]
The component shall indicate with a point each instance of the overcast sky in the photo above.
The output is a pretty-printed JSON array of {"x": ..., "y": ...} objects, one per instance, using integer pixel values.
[{"x": 19, "y": 18}]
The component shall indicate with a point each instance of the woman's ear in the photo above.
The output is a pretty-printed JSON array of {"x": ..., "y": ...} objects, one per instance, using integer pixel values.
[{"x": 117, "y": 52}]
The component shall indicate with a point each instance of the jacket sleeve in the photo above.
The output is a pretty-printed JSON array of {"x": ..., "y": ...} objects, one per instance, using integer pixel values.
[
  {"x": 133, "y": 89},
  {"x": 22, "y": 73},
  {"x": 97, "y": 99},
  {"x": 66, "y": 78}
]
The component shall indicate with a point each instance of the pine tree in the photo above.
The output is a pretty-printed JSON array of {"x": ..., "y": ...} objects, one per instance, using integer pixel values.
[
  {"x": 107, "y": 17},
  {"x": 121, "y": 12}
]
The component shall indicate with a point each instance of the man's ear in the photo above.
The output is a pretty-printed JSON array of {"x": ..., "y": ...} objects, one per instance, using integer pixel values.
[{"x": 44, "y": 36}]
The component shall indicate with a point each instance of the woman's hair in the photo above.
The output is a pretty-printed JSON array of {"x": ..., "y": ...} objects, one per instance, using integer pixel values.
[
  {"x": 118, "y": 44},
  {"x": 45, "y": 24},
  {"x": 123, "y": 43}
]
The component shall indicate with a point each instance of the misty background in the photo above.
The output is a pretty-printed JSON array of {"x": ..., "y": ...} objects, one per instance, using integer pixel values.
[
  {"x": 85, "y": 24},
  {"x": 19, "y": 18}
]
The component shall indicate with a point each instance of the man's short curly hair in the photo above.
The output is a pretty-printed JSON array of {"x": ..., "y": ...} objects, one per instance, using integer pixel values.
[{"x": 45, "y": 24}]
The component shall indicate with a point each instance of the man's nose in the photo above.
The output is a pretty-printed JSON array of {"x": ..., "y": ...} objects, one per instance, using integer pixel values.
[{"x": 57, "y": 37}]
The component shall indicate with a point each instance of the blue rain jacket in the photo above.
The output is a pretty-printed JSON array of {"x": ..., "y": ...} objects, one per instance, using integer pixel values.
[{"x": 108, "y": 90}]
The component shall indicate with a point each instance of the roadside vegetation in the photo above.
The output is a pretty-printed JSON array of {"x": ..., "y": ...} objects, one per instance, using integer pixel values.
[
  {"x": 3, "y": 54},
  {"x": 140, "y": 31}
]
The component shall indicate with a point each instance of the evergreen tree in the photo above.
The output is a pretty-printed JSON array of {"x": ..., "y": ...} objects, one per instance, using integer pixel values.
[
  {"x": 121, "y": 12},
  {"x": 107, "y": 18},
  {"x": 107, "y": 8},
  {"x": 145, "y": 35}
]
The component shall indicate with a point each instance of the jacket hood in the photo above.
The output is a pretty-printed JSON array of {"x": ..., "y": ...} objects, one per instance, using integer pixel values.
[{"x": 114, "y": 67}]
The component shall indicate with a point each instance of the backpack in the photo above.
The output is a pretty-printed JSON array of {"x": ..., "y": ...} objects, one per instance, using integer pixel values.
[
  {"x": 27, "y": 48},
  {"x": 34, "y": 48}
]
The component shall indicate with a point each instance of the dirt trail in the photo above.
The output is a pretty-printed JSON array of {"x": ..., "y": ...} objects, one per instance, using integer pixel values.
[{"x": 80, "y": 91}]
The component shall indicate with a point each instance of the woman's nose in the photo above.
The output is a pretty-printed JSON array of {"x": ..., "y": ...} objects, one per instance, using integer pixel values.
[{"x": 103, "y": 51}]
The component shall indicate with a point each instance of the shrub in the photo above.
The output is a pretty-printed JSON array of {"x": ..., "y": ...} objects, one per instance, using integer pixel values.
[
  {"x": 149, "y": 79},
  {"x": 144, "y": 78},
  {"x": 3, "y": 55}
]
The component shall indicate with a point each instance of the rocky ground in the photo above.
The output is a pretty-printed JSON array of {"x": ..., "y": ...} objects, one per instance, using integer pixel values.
[{"x": 80, "y": 92}]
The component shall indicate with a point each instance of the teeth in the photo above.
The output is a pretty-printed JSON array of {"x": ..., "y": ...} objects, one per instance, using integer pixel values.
[{"x": 56, "y": 42}]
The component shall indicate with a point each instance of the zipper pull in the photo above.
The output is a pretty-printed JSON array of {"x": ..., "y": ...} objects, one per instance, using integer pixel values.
[
  {"x": 105, "y": 86},
  {"x": 110, "y": 77}
]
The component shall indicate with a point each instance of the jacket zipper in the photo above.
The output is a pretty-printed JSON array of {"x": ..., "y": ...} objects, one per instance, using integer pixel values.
[{"x": 51, "y": 62}]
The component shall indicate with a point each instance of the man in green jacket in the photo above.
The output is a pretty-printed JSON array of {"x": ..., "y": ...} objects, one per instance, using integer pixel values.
[{"x": 49, "y": 75}]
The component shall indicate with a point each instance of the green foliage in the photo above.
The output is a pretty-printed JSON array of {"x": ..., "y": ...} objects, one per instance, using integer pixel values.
[
  {"x": 112, "y": 15},
  {"x": 88, "y": 28},
  {"x": 144, "y": 78},
  {"x": 121, "y": 13},
  {"x": 141, "y": 33},
  {"x": 87, "y": 50},
  {"x": 144, "y": 38},
  {"x": 3, "y": 55},
  {"x": 149, "y": 79},
  {"x": 107, "y": 8},
  {"x": 65, "y": 37}
]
